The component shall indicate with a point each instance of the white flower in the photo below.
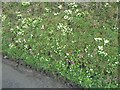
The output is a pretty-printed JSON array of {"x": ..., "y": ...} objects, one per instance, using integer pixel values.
[
  {"x": 11, "y": 29},
  {"x": 68, "y": 11},
  {"x": 26, "y": 46},
  {"x": 60, "y": 25},
  {"x": 19, "y": 40},
  {"x": 77, "y": 10},
  {"x": 78, "y": 14},
  {"x": 17, "y": 27},
  {"x": 91, "y": 69},
  {"x": 67, "y": 54},
  {"x": 91, "y": 55},
  {"x": 31, "y": 35},
  {"x": 106, "y": 4},
  {"x": 60, "y": 6},
  {"x": 17, "y": 12},
  {"x": 56, "y": 13},
  {"x": 11, "y": 45},
  {"x": 73, "y": 41},
  {"x": 42, "y": 27},
  {"x": 116, "y": 62},
  {"x": 3, "y": 17},
  {"x": 46, "y": 59},
  {"x": 100, "y": 47},
  {"x": 19, "y": 15},
  {"x": 106, "y": 41},
  {"x": 47, "y": 10},
  {"x": 88, "y": 54},
  {"x": 102, "y": 52},
  {"x": 25, "y": 3},
  {"x": 66, "y": 17},
  {"x": 19, "y": 33},
  {"x": 85, "y": 50},
  {"x": 98, "y": 39}
]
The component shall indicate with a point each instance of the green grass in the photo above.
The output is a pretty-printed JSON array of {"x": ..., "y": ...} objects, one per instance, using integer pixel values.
[{"x": 68, "y": 47}]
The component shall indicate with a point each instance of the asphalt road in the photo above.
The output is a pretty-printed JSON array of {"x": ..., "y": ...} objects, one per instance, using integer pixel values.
[{"x": 14, "y": 78}]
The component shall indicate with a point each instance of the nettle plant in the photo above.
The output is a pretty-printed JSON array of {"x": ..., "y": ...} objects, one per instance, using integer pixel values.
[{"x": 63, "y": 38}]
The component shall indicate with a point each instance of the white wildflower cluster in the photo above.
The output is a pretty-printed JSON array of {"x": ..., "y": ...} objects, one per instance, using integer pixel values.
[
  {"x": 100, "y": 48},
  {"x": 55, "y": 14},
  {"x": 104, "y": 27},
  {"x": 106, "y": 41},
  {"x": 19, "y": 40},
  {"x": 11, "y": 29},
  {"x": 25, "y": 3},
  {"x": 107, "y": 4},
  {"x": 3, "y": 17},
  {"x": 60, "y": 6},
  {"x": 47, "y": 10},
  {"x": 64, "y": 28},
  {"x": 60, "y": 25},
  {"x": 86, "y": 49},
  {"x": 11, "y": 45},
  {"x": 67, "y": 18},
  {"x": 115, "y": 28},
  {"x": 73, "y": 5},
  {"x": 81, "y": 13},
  {"x": 77, "y": 10},
  {"x": 102, "y": 39},
  {"x": 26, "y": 46},
  {"x": 18, "y": 13},
  {"x": 90, "y": 55},
  {"x": 20, "y": 33},
  {"x": 25, "y": 22},
  {"x": 68, "y": 11},
  {"x": 98, "y": 39},
  {"x": 102, "y": 52}
]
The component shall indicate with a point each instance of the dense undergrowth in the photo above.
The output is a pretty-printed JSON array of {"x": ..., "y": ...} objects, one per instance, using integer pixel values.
[{"x": 80, "y": 43}]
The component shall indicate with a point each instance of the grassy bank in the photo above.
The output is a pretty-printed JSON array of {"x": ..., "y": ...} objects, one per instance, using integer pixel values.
[{"x": 78, "y": 43}]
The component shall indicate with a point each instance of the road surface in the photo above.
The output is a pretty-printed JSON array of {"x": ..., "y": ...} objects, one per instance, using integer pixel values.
[{"x": 16, "y": 78}]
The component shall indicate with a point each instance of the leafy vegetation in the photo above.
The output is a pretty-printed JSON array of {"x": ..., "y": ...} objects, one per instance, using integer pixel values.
[{"x": 76, "y": 40}]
